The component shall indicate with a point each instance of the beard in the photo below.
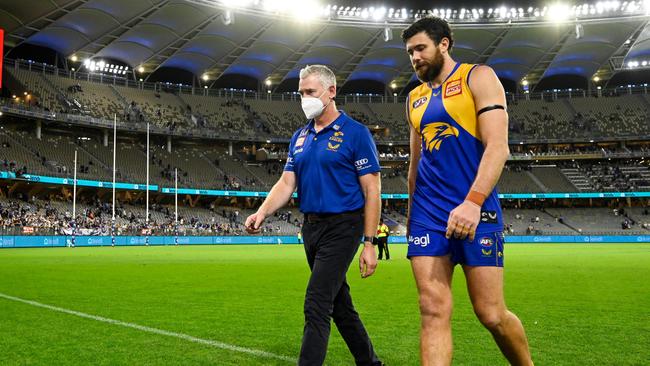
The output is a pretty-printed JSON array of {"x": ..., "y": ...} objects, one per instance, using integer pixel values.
[{"x": 430, "y": 69}]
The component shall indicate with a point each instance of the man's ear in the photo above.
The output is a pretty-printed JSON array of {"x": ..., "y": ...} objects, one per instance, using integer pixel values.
[{"x": 444, "y": 45}]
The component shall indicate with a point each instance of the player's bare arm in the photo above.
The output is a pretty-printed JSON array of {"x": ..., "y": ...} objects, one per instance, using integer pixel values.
[{"x": 414, "y": 159}]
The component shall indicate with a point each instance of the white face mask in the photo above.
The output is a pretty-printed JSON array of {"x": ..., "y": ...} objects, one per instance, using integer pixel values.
[{"x": 313, "y": 107}]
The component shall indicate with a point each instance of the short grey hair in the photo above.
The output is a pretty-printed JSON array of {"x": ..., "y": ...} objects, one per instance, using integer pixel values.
[{"x": 322, "y": 72}]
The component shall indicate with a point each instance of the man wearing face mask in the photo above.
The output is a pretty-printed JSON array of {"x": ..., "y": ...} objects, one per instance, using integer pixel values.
[
  {"x": 459, "y": 145},
  {"x": 333, "y": 162}
]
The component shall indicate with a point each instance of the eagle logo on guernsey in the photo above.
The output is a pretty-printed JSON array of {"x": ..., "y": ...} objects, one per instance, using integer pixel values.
[{"x": 434, "y": 133}]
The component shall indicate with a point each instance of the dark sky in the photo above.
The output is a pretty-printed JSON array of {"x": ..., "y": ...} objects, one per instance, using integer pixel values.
[{"x": 453, "y": 4}]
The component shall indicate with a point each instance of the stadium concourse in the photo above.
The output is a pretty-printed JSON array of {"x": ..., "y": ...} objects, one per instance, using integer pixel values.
[{"x": 606, "y": 159}]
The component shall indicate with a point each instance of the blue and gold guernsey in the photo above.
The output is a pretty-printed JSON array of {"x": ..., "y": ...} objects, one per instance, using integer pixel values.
[{"x": 445, "y": 118}]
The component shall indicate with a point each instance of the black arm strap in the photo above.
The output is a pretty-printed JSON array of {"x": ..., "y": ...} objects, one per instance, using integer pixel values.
[{"x": 489, "y": 108}]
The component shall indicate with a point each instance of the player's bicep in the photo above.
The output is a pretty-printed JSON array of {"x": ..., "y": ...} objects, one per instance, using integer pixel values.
[
  {"x": 486, "y": 88},
  {"x": 490, "y": 103}
]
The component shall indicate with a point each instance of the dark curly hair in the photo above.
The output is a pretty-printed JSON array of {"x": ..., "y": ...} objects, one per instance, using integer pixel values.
[{"x": 436, "y": 28}]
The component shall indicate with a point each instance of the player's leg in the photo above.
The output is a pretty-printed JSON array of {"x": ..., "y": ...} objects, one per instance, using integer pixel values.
[
  {"x": 433, "y": 279},
  {"x": 433, "y": 266},
  {"x": 484, "y": 273}
]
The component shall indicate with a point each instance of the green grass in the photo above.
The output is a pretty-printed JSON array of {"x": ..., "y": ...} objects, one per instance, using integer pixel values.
[{"x": 580, "y": 304}]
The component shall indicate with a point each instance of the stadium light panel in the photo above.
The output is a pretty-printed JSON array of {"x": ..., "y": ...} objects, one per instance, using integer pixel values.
[
  {"x": 270, "y": 6},
  {"x": 205, "y": 77},
  {"x": 558, "y": 12},
  {"x": 73, "y": 58},
  {"x": 379, "y": 13},
  {"x": 304, "y": 10},
  {"x": 237, "y": 3},
  {"x": 267, "y": 82}
]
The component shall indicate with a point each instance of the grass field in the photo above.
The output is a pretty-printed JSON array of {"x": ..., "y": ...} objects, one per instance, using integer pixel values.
[{"x": 580, "y": 304}]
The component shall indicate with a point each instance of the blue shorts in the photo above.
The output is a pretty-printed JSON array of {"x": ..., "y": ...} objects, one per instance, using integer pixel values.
[{"x": 485, "y": 250}]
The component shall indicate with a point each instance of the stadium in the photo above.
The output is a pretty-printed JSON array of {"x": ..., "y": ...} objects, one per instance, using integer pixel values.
[{"x": 137, "y": 137}]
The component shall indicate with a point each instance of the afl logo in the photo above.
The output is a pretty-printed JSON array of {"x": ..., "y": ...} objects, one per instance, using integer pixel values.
[
  {"x": 486, "y": 242},
  {"x": 419, "y": 102}
]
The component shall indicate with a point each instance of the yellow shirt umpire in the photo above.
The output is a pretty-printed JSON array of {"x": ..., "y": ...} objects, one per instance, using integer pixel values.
[{"x": 334, "y": 165}]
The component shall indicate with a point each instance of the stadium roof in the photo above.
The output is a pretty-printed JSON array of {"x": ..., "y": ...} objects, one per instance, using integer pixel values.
[{"x": 212, "y": 41}]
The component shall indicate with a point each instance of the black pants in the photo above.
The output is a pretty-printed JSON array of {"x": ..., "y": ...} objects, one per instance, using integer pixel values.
[
  {"x": 382, "y": 244},
  {"x": 330, "y": 244}
]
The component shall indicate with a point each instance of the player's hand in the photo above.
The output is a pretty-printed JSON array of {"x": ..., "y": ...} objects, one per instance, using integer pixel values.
[
  {"x": 367, "y": 260},
  {"x": 254, "y": 223},
  {"x": 463, "y": 221}
]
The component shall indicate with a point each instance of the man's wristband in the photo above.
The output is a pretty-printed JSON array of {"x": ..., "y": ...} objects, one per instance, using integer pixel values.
[
  {"x": 476, "y": 197},
  {"x": 369, "y": 239}
]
